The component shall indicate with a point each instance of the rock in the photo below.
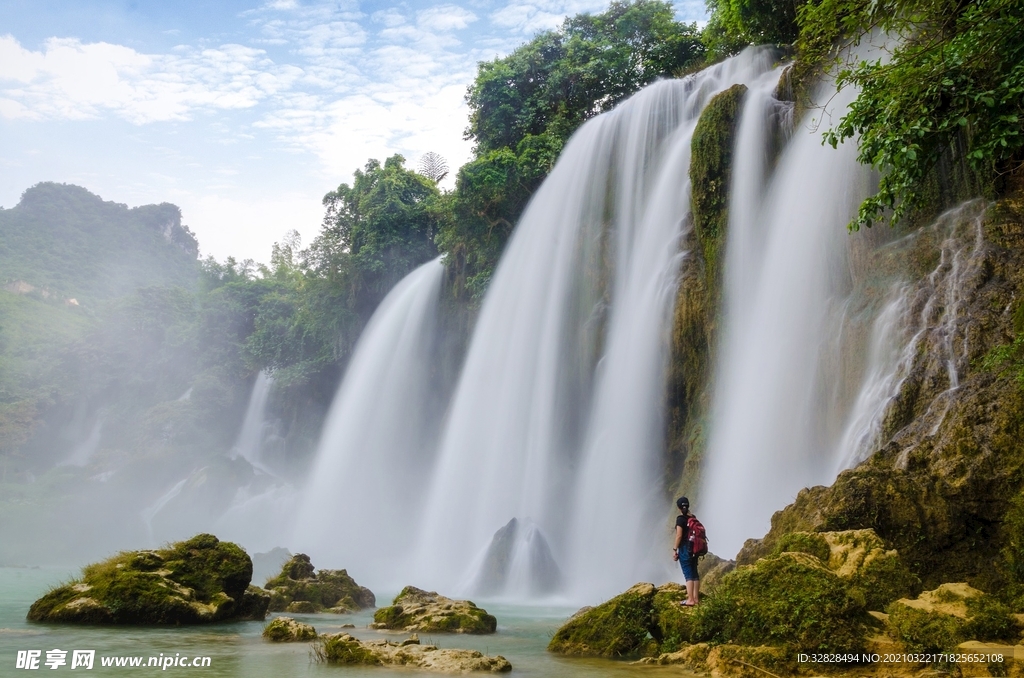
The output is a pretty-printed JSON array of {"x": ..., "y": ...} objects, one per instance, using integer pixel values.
[
  {"x": 692, "y": 657},
  {"x": 711, "y": 569},
  {"x": 616, "y": 628},
  {"x": 427, "y": 612},
  {"x": 945, "y": 617},
  {"x": 518, "y": 547},
  {"x": 747, "y": 661},
  {"x": 343, "y": 648},
  {"x": 300, "y": 589},
  {"x": 287, "y": 630},
  {"x": 876, "y": 575},
  {"x": 197, "y": 581},
  {"x": 411, "y": 640},
  {"x": 788, "y": 599},
  {"x": 255, "y": 603}
]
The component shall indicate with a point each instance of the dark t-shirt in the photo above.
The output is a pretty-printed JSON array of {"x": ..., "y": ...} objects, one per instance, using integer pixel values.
[{"x": 682, "y": 521}]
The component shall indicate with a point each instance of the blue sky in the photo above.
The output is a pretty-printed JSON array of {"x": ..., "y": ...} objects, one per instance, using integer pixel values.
[{"x": 243, "y": 113}]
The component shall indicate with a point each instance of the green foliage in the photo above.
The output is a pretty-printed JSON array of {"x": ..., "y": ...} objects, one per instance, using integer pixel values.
[
  {"x": 523, "y": 108},
  {"x": 69, "y": 243},
  {"x": 734, "y": 24},
  {"x": 804, "y": 542},
  {"x": 789, "y": 599},
  {"x": 381, "y": 225},
  {"x": 952, "y": 87},
  {"x": 1013, "y": 551}
]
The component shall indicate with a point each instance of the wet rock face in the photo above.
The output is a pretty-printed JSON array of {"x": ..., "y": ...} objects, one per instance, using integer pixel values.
[
  {"x": 416, "y": 610},
  {"x": 343, "y": 648},
  {"x": 287, "y": 630},
  {"x": 197, "y": 581},
  {"x": 299, "y": 588},
  {"x": 949, "y": 462}
]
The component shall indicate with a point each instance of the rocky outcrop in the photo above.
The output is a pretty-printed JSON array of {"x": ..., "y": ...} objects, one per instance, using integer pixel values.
[
  {"x": 343, "y": 648},
  {"x": 198, "y": 581},
  {"x": 524, "y": 542},
  {"x": 941, "y": 619},
  {"x": 948, "y": 467},
  {"x": 416, "y": 610},
  {"x": 299, "y": 588},
  {"x": 287, "y": 630}
]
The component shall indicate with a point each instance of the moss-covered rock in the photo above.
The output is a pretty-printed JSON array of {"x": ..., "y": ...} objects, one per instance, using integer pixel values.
[
  {"x": 943, "y": 618},
  {"x": 287, "y": 630},
  {"x": 616, "y": 628},
  {"x": 345, "y": 649},
  {"x": 711, "y": 172},
  {"x": 744, "y": 661},
  {"x": 416, "y": 610},
  {"x": 197, "y": 581},
  {"x": 804, "y": 542},
  {"x": 299, "y": 588},
  {"x": 255, "y": 603},
  {"x": 790, "y": 599}
]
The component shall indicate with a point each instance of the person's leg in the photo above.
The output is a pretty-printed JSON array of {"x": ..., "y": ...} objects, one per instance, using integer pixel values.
[
  {"x": 690, "y": 591},
  {"x": 696, "y": 591}
]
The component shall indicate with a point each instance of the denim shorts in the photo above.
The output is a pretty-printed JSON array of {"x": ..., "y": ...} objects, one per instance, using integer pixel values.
[{"x": 688, "y": 563}]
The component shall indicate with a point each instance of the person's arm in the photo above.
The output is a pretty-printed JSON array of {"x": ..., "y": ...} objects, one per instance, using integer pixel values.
[{"x": 678, "y": 542}]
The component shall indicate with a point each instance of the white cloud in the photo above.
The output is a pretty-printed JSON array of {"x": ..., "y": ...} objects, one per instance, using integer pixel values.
[
  {"x": 445, "y": 18},
  {"x": 527, "y": 17},
  {"x": 72, "y": 80}
]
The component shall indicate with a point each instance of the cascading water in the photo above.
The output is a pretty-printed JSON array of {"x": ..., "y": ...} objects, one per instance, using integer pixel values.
[
  {"x": 249, "y": 444},
  {"x": 786, "y": 273},
  {"x": 366, "y": 483},
  {"x": 556, "y": 418}
]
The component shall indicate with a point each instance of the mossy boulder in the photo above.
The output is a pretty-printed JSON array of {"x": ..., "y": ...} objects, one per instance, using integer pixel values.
[
  {"x": 299, "y": 588},
  {"x": 288, "y": 630},
  {"x": 875, "y": 574},
  {"x": 790, "y": 599},
  {"x": 255, "y": 603},
  {"x": 942, "y": 618},
  {"x": 197, "y": 581},
  {"x": 416, "y": 610},
  {"x": 345, "y": 649},
  {"x": 616, "y": 628}
]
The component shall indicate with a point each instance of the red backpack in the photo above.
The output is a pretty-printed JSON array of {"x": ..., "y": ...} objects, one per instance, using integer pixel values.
[{"x": 698, "y": 537}]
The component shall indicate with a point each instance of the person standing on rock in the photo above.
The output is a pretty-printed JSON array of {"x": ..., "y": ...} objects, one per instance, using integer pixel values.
[{"x": 682, "y": 550}]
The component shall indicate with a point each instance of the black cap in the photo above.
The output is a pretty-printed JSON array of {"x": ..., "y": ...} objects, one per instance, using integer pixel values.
[{"x": 683, "y": 502}]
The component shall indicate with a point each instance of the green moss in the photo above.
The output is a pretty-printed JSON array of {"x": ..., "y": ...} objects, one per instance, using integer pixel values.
[
  {"x": 948, "y": 616},
  {"x": 711, "y": 172},
  {"x": 195, "y": 581},
  {"x": 789, "y": 599},
  {"x": 427, "y": 612},
  {"x": 344, "y": 649},
  {"x": 672, "y": 623},
  {"x": 287, "y": 630},
  {"x": 616, "y": 628},
  {"x": 300, "y": 588},
  {"x": 804, "y": 542}
]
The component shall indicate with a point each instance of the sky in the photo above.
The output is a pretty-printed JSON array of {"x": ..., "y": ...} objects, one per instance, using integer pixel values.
[{"x": 244, "y": 113}]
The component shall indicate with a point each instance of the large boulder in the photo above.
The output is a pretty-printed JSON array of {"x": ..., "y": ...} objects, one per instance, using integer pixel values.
[
  {"x": 941, "y": 619},
  {"x": 343, "y": 648},
  {"x": 197, "y": 581},
  {"x": 416, "y": 610},
  {"x": 789, "y": 599},
  {"x": 616, "y": 628},
  {"x": 299, "y": 588},
  {"x": 875, "y": 574}
]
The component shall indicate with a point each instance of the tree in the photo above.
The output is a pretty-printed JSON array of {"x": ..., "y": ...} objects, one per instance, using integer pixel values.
[{"x": 433, "y": 167}]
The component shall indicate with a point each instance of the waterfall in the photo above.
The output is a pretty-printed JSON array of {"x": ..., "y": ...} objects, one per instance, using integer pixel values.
[
  {"x": 786, "y": 277},
  {"x": 249, "y": 444},
  {"x": 557, "y": 416},
  {"x": 359, "y": 507}
]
